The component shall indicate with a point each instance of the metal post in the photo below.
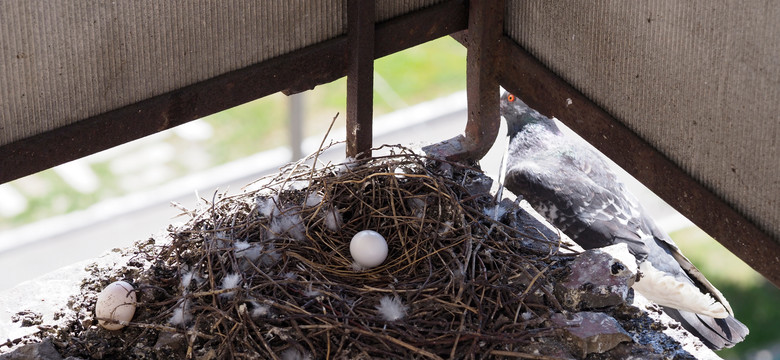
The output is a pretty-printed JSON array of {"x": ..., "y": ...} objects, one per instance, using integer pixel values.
[{"x": 360, "y": 77}]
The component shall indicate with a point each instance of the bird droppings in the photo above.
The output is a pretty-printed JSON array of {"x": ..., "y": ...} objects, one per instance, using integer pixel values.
[
  {"x": 457, "y": 282},
  {"x": 27, "y": 318}
]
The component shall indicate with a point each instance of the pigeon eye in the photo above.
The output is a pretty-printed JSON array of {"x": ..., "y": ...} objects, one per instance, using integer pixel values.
[{"x": 510, "y": 97}]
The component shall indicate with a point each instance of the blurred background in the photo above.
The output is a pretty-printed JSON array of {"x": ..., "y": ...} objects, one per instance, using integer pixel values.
[{"x": 84, "y": 208}]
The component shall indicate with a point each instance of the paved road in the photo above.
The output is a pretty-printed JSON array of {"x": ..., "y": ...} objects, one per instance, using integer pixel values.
[{"x": 120, "y": 222}]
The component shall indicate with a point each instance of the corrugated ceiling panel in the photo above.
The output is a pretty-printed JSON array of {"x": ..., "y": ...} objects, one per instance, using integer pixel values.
[
  {"x": 62, "y": 61},
  {"x": 698, "y": 80},
  {"x": 65, "y": 61},
  {"x": 386, "y": 9}
]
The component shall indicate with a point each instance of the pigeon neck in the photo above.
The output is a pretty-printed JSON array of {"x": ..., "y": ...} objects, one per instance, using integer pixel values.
[{"x": 527, "y": 120}]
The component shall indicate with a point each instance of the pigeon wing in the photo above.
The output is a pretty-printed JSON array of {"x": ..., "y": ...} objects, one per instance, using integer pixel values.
[
  {"x": 624, "y": 207},
  {"x": 574, "y": 192}
]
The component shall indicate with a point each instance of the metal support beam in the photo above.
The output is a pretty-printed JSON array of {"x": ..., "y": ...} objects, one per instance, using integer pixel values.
[
  {"x": 360, "y": 77},
  {"x": 524, "y": 76},
  {"x": 486, "y": 24}
]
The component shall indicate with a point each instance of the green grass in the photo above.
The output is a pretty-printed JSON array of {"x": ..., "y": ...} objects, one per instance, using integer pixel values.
[
  {"x": 714, "y": 260},
  {"x": 755, "y": 301},
  {"x": 247, "y": 129},
  {"x": 425, "y": 72}
]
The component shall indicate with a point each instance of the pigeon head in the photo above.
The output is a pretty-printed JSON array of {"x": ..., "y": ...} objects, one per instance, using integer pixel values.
[{"x": 518, "y": 115}]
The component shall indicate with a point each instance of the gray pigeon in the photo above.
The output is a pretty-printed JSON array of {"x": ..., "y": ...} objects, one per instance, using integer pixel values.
[{"x": 571, "y": 185}]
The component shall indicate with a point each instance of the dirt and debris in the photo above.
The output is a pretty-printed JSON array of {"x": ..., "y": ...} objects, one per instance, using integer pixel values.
[
  {"x": 590, "y": 332},
  {"x": 597, "y": 279},
  {"x": 268, "y": 274},
  {"x": 27, "y": 318}
]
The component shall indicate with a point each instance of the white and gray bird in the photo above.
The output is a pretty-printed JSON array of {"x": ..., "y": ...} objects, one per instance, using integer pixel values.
[{"x": 572, "y": 186}]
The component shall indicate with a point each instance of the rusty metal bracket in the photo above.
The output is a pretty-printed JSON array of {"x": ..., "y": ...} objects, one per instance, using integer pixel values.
[{"x": 486, "y": 23}]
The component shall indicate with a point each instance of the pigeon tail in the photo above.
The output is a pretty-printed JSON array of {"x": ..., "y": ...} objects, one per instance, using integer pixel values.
[
  {"x": 664, "y": 289},
  {"x": 715, "y": 333}
]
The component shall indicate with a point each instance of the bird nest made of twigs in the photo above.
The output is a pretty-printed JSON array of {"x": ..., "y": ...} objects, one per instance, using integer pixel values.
[{"x": 268, "y": 273}]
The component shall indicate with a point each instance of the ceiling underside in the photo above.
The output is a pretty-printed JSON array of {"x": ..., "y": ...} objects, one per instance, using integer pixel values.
[
  {"x": 64, "y": 61},
  {"x": 700, "y": 82}
]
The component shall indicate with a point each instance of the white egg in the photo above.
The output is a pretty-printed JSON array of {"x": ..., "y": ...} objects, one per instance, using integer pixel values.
[
  {"x": 368, "y": 248},
  {"x": 115, "y": 302}
]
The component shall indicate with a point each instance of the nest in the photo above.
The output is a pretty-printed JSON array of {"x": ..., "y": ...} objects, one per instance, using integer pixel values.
[{"x": 268, "y": 273}]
